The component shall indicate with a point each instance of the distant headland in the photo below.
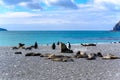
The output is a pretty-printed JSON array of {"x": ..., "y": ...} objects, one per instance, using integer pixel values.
[
  {"x": 117, "y": 27},
  {"x": 1, "y": 29}
]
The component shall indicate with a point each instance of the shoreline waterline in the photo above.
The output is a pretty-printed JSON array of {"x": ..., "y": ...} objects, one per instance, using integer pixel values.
[{"x": 12, "y": 38}]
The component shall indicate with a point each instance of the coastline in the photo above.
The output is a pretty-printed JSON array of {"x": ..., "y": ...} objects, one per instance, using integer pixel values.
[{"x": 18, "y": 67}]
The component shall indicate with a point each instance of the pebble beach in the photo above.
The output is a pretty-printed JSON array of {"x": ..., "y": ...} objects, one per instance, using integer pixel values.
[{"x": 19, "y": 67}]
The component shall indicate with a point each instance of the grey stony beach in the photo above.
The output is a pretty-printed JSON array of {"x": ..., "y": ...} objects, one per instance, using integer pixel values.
[{"x": 19, "y": 67}]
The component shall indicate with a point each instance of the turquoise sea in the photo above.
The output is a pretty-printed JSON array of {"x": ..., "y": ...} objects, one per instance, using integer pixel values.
[{"x": 12, "y": 38}]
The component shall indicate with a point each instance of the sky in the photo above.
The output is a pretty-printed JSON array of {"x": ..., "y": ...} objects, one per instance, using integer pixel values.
[{"x": 59, "y": 14}]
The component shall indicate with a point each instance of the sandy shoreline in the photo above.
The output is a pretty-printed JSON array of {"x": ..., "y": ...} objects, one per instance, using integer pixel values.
[{"x": 19, "y": 67}]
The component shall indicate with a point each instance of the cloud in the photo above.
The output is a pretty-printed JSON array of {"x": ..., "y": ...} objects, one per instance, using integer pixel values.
[
  {"x": 96, "y": 14},
  {"x": 15, "y": 2},
  {"x": 62, "y": 3},
  {"x": 32, "y": 4},
  {"x": 107, "y": 4},
  {"x": 18, "y": 15},
  {"x": 66, "y": 4},
  {"x": 38, "y": 4}
]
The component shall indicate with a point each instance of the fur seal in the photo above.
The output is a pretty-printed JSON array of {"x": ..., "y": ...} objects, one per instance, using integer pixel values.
[
  {"x": 18, "y": 52},
  {"x": 51, "y": 56},
  {"x": 34, "y": 54},
  {"x": 14, "y": 48},
  {"x": 64, "y": 49},
  {"x": 110, "y": 56},
  {"x": 21, "y": 45},
  {"x": 91, "y": 56},
  {"x": 28, "y": 48},
  {"x": 88, "y": 44},
  {"x": 80, "y": 54},
  {"x": 60, "y": 58},
  {"x": 99, "y": 54}
]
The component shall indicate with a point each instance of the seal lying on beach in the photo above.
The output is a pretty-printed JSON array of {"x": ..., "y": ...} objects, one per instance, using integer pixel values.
[
  {"x": 60, "y": 58},
  {"x": 28, "y": 48},
  {"x": 88, "y": 44},
  {"x": 91, "y": 56},
  {"x": 18, "y": 52},
  {"x": 34, "y": 54},
  {"x": 80, "y": 54},
  {"x": 99, "y": 54},
  {"x": 14, "y": 48},
  {"x": 110, "y": 56},
  {"x": 63, "y": 59}
]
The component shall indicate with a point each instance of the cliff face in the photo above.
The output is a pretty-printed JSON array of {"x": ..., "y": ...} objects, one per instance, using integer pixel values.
[
  {"x": 117, "y": 27},
  {"x": 1, "y": 29}
]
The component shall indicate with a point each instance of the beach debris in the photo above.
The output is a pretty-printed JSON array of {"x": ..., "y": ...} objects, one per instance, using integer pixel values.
[
  {"x": 80, "y": 54},
  {"x": 18, "y": 52},
  {"x": 91, "y": 56},
  {"x": 14, "y": 48},
  {"x": 91, "y": 44},
  {"x": 64, "y": 49},
  {"x": 68, "y": 45},
  {"x": 110, "y": 56},
  {"x": 34, "y": 54},
  {"x": 53, "y": 46}
]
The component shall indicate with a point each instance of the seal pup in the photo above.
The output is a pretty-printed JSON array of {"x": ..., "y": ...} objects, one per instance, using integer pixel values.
[
  {"x": 14, "y": 48},
  {"x": 91, "y": 56},
  {"x": 80, "y": 54},
  {"x": 28, "y": 48},
  {"x": 29, "y": 54},
  {"x": 34, "y": 54},
  {"x": 18, "y": 52},
  {"x": 99, "y": 54}
]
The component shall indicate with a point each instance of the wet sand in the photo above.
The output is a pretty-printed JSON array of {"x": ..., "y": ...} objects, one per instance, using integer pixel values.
[{"x": 18, "y": 67}]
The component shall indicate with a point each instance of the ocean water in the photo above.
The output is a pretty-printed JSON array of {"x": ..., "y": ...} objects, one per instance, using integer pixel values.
[{"x": 12, "y": 38}]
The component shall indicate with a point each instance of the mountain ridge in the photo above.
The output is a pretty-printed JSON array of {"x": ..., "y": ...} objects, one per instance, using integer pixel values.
[
  {"x": 2, "y": 29},
  {"x": 117, "y": 27}
]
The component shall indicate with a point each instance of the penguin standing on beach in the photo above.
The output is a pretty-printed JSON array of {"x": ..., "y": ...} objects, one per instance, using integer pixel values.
[{"x": 68, "y": 45}]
